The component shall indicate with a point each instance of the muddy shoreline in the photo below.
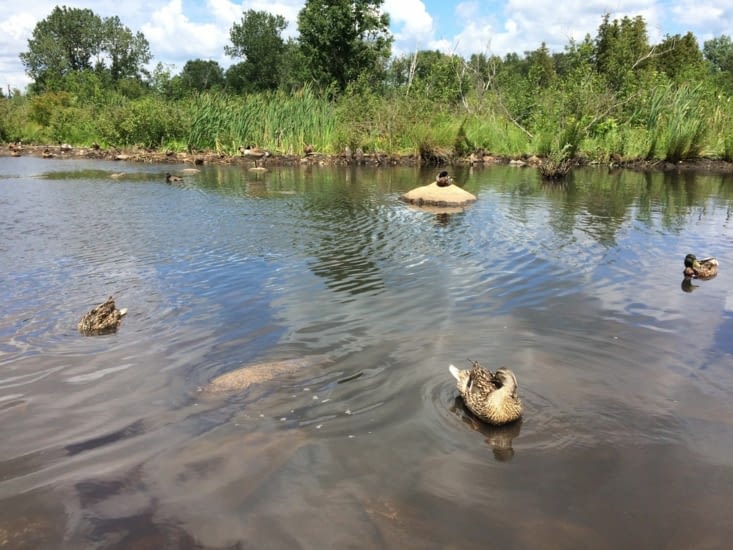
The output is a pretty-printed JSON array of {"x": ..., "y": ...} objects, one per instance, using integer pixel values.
[{"x": 320, "y": 159}]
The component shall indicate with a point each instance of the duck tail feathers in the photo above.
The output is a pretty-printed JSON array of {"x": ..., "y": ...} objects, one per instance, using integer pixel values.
[{"x": 454, "y": 371}]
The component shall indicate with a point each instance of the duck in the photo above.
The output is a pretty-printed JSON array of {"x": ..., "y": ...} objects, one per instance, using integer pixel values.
[
  {"x": 705, "y": 268},
  {"x": 170, "y": 178},
  {"x": 492, "y": 397},
  {"x": 102, "y": 319},
  {"x": 252, "y": 152},
  {"x": 443, "y": 179}
]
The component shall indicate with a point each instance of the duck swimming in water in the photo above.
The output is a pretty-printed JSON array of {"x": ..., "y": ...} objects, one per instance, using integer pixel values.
[
  {"x": 491, "y": 397},
  {"x": 102, "y": 319},
  {"x": 700, "y": 269}
]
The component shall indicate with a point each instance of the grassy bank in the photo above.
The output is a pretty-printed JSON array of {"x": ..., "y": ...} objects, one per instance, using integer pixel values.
[{"x": 666, "y": 123}]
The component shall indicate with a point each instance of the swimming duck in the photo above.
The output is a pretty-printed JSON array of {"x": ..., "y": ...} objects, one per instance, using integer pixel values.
[
  {"x": 700, "y": 269},
  {"x": 443, "y": 179},
  {"x": 170, "y": 178},
  {"x": 101, "y": 319},
  {"x": 491, "y": 397}
]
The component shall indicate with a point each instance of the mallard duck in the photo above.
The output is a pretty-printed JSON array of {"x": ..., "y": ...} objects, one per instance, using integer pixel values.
[
  {"x": 443, "y": 179},
  {"x": 491, "y": 397},
  {"x": 170, "y": 178},
  {"x": 101, "y": 319},
  {"x": 700, "y": 269}
]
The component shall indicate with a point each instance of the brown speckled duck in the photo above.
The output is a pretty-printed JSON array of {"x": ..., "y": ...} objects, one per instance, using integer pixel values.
[
  {"x": 700, "y": 269},
  {"x": 102, "y": 319},
  {"x": 444, "y": 179},
  {"x": 491, "y": 397},
  {"x": 170, "y": 178}
]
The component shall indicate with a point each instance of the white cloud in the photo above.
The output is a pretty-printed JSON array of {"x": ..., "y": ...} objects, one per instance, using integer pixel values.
[
  {"x": 171, "y": 34},
  {"x": 413, "y": 27},
  {"x": 15, "y": 31},
  {"x": 225, "y": 11}
]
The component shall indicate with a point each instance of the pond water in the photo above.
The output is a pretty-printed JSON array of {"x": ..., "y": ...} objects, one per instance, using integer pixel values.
[{"x": 625, "y": 373}]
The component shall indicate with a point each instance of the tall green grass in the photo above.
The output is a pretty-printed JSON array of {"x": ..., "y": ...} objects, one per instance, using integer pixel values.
[
  {"x": 676, "y": 123},
  {"x": 667, "y": 122},
  {"x": 285, "y": 123}
]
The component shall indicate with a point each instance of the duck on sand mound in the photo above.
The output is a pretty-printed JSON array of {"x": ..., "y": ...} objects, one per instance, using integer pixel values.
[{"x": 442, "y": 192}]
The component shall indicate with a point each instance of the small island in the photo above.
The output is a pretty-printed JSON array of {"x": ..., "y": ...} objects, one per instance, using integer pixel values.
[{"x": 442, "y": 192}]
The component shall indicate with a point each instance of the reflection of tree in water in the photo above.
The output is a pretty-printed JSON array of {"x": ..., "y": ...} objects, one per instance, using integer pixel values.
[
  {"x": 351, "y": 239},
  {"x": 600, "y": 202},
  {"x": 141, "y": 528},
  {"x": 499, "y": 438}
]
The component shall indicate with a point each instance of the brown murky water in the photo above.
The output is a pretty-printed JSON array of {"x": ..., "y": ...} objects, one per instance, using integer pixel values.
[{"x": 359, "y": 441}]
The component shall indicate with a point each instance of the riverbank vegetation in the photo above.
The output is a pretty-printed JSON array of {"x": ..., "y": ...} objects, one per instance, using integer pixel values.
[{"x": 612, "y": 97}]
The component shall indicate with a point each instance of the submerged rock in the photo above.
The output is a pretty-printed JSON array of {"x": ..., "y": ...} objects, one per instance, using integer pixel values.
[{"x": 244, "y": 377}]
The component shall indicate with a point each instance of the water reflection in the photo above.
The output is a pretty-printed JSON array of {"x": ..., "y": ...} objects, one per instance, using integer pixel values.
[
  {"x": 688, "y": 285},
  {"x": 108, "y": 443},
  {"x": 499, "y": 438}
]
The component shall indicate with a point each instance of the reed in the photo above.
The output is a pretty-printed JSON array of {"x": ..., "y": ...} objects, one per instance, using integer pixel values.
[
  {"x": 277, "y": 121},
  {"x": 686, "y": 127}
]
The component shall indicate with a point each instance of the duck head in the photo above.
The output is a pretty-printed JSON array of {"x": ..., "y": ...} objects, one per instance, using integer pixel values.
[
  {"x": 691, "y": 261},
  {"x": 506, "y": 379}
]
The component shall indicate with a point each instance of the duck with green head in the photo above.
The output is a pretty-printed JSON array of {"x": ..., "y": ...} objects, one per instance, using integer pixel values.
[
  {"x": 705, "y": 268},
  {"x": 492, "y": 397}
]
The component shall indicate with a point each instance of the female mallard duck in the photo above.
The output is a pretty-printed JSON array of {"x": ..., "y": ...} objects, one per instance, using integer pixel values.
[
  {"x": 103, "y": 318},
  {"x": 170, "y": 178},
  {"x": 491, "y": 397},
  {"x": 700, "y": 269},
  {"x": 443, "y": 179}
]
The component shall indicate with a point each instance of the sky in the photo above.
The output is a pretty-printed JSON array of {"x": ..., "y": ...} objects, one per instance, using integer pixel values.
[{"x": 181, "y": 30}]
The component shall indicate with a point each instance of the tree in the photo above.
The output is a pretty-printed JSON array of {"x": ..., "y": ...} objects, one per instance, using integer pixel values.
[
  {"x": 343, "y": 40},
  {"x": 201, "y": 75},
  {"x": 257, "y": 41},
  {"x": 622, "y": 49},
  {"x": 71, "y": 40},
  {"x": 542, "y": 67},
  {"x": 431, "y": 74},
  {"x": 680, "y": 58},
  {"x": 127, "y": 53},
  {"x": 719, "y": 53}
]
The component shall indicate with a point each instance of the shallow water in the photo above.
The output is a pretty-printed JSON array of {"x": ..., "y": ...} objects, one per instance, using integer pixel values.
[{"x": 108, "y": 442}]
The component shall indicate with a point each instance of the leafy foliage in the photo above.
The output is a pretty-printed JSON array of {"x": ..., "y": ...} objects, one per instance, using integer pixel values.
[
  {"x": 256, "y": 40},
  {"x": 72, "y": 40},
  {"x": 344, "y": 39},
  {"x": 199, "y": 75},
  {"x": 608, "y": 97}
]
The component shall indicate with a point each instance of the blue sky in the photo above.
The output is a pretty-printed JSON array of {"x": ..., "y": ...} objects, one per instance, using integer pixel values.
[{"x": 179, "y": 30}]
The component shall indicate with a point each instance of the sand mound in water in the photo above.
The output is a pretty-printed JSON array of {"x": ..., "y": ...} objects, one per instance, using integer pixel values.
[
  {"x": 248, "y": 375},
  {"x": 434, "y": 195}
]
